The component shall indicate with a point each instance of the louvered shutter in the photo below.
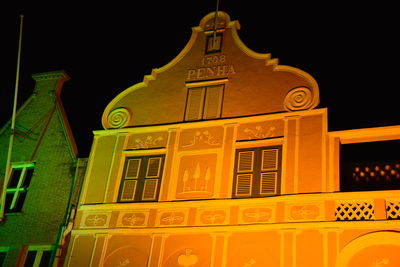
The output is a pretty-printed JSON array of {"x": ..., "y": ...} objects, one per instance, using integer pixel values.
[
  {"x": 130, "y": 182},
  {"x": 268, "y": 183},
  {"x": 132, "y": 170},
  {"x": 244, "y": 184},
  {"x": 153, "y": 167},
  {"x": 269, "y": 159},
  {"x": 245, "y": 161},
  {"x": 150, "y": 189},
  {"x": 269, "y": 171},
  {"x": 194, "y": 105},
  {"x": 212, "y": 105},
  {"x": 128, "y": 190},
  {"x": 244, "y": 177}
]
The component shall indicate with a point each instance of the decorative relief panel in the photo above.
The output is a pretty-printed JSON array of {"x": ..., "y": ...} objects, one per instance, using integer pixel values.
[
  {"x": 196, "y": 176},
  {"x": 147, "y": 140},
  {"x": 201, "y": 138},
  {"x": 187, "y": 250},
  {"x": 119, "y": 117},
  {"x": 188, "y": 258},
  {"x": 125, "y": 250},
  {"x": 175, "y": 217},
  {"x": 96, "y": 220},
  {"x": 304, "y": 212},
  {"x": 256, "y": 214},
  {"x": 260, "y": 130},
  {"x": 212, "y": 216},
  {"x": 298, "y": 98},
  {"x": 135, "y": 218},
  {"x": 385, "y": 255}
]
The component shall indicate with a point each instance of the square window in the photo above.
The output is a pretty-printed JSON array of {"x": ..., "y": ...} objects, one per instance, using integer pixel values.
[
  {"x": 257, "y": 172},
  {"x": 214, "y": 43},
  {"x": 142, "y": 178}
]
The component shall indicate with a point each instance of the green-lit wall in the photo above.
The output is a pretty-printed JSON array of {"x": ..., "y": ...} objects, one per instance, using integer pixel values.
[{"x": 46, "y": 202}]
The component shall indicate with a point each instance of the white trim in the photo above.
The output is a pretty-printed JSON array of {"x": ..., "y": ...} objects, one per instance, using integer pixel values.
[{"x": 211, "y": 123}]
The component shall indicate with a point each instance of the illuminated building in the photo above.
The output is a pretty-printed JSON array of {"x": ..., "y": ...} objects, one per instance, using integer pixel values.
[
  {"x": 44, "y": 183},
  {"x": 220, "y": 159}
]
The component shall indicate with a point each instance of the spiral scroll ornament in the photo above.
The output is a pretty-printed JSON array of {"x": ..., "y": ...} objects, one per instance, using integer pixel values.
[
  {"x": 119, "y": 118},
  {"x": 298, "y": 98}
]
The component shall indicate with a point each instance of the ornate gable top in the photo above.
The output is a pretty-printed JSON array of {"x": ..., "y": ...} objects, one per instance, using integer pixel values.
[{"x": 214, "y": 76}]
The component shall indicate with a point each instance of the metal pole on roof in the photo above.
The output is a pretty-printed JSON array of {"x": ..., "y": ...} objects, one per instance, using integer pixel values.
[
  {"x": 11, "y": 142},
  {"x": 215, "y": 26}
]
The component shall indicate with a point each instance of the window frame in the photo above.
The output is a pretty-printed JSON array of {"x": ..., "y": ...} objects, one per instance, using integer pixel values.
[
  {"x": 209, "y": 49},
  {"x": 255, "y": 174},
  {"x": 21, "y": 189},
  {"x": 5, "y": 251},
  {"x": 39, "y": 249},
  {"x": 204, "y": 99},
  {"x": 142, "y": 178}
]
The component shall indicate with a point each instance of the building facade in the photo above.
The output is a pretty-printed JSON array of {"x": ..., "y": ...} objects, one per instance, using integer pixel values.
[
  {"x": 219, "y": 158},
  {"x": 44, "y": 181}
]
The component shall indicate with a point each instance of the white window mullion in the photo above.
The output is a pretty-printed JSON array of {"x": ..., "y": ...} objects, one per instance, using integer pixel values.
[{"x": 38, "y": 258}]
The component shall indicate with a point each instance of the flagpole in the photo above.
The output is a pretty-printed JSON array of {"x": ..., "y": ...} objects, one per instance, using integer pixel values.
[
  {"x": 11, "y": 142},
  {"x": 215, "y": 27}
]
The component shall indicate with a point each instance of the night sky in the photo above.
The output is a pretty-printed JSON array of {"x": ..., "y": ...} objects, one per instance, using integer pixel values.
[{"x": 351, "y": 51}]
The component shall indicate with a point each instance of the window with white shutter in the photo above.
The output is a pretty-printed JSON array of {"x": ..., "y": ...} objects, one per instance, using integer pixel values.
[
  {"x": 257, "y": 172},
  {"x": 142, "y": 178},
  {"x": 204, "y": 103}
]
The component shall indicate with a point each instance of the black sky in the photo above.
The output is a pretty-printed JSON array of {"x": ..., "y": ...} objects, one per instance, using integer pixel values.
[{"x": 351, "y": 50}]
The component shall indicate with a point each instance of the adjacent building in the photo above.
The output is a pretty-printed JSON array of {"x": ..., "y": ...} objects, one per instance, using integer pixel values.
[
  {"x": 221, "y": 158},
  {"x": 45, "y": 178}
]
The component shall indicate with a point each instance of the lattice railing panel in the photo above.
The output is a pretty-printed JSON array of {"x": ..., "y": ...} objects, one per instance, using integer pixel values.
[
  {"x": 393, "y": 210},
  {"x": 354, "y": 211}
]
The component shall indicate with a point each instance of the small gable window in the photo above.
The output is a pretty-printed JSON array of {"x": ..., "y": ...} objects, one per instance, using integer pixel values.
[
  {"x": 214, "y": 43},
  {"x": 142, "y": 178},
  {"x": 204, "y": 103},
  {"x": 257, "y": 172}
]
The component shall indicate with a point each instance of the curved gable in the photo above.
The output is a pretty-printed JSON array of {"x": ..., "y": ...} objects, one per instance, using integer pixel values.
[{"x": 214, "y": 76}]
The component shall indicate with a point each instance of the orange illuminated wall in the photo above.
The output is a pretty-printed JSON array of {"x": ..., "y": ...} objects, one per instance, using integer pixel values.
[{"x": 220, "y": 159}]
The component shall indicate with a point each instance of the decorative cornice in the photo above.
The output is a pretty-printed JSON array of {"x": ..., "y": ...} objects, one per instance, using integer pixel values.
[{"x": 53, "y": 75}]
